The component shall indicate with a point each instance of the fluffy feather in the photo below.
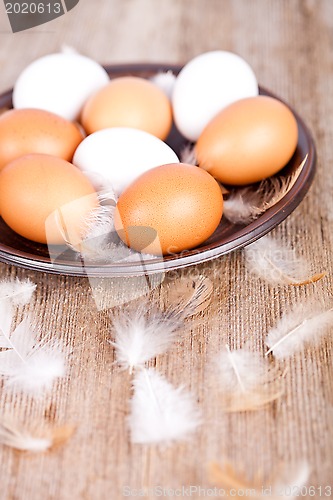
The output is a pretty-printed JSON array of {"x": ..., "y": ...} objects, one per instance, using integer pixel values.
[
  {"x": 248, "y": 381},
  {"x": 161, "y": 413},
  {"x": 305, "y": 325},
  {"x": 140, "y": 337},
  {"x": 165, "y": 80},
  {"x": 13, "y": 436},
  {"x": 285, "y": 481},
  {"x": 246, "y": 204},
  {"x": 187, "y": 154},
  {"x": 142, "y": 333},
  {"x": 6, "y": 320},
  {"x": 27, "y": 365},
  {"x": 278, "y": 264},
  {"x": 19, "y": 292}
]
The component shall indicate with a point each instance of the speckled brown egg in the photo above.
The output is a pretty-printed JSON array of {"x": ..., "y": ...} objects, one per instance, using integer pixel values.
[
  {"x": 169, "y": 209},
  {"x": 248, "y": 141},
  {"x": 24, "y": 131}
]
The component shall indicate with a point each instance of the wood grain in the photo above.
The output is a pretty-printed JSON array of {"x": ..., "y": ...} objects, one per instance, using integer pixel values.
[{"x": 289, "y": 45}]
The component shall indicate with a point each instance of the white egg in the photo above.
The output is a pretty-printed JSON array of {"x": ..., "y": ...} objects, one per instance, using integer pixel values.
[
  {"x": 207, "y": 84},
  {"x": 121, "y": 154},
  {"x": 60, "y": 83}
]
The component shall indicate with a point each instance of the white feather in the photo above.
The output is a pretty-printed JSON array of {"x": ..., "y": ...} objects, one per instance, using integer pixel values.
[
  {"x": 305, "y": 325},
  {"x": 139, "y": 337},
  {"x": 22, "y": 440},
  {"x": 247, "y": 380},
  {"x": 187, "y": 154},
  {"x": 142, "y": 333},
  {"x": 19, "y": 292},
  {"x": 12, "y": 293},
  {"x": 161, "y": 413},
  {"x": 6, "y": 320},
  {"x": 277, "y": 263},
  {"x": 165, "y": 80},
  {"x": 27, "y": 365}
]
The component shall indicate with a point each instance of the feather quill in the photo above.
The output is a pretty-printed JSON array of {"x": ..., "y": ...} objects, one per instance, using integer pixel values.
[
  {"x": 161, "y": 413},
  {"x": 246, "y": 204},
  {"x": 13, "y": 436},
  {"x": 285, "y": 480},
  {"x": 247, "y": 380},
  {"x": 277, "y": 264},
  {"x": 26, "y": 364},
  {"x": 305, "y": 325}
]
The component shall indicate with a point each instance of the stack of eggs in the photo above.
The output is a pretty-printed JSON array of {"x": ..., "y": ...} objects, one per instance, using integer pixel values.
[{"x": 72, "y": 126}]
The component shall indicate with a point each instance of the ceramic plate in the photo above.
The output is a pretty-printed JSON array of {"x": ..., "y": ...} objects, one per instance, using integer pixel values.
[{"x": 227, "y": 237}]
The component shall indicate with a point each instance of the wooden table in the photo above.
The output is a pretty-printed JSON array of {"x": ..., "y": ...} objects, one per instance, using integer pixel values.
[{"x": 289, "y": 45}]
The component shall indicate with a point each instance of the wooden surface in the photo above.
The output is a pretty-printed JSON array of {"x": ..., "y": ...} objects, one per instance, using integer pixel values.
[{"x": 289, "y": 45}]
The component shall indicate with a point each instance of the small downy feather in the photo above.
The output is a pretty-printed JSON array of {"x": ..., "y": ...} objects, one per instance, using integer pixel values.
[
  {"x": 139, "y": 336},
  {"x": 165, "y": 80},
  {"x": 14, "y": 436},
  {"x": 286, "y": 482},
  {"x": 19, "y": 292},
  {"x": 246, "y": 204},
  {"x": 26, "y": 364},
  {"x": 278, "y": 264},
  {"x": 142, "y": 333},
  {"x": 248, "y": 381},
  {"x": 305, "y": 325},
  {"x": 12, "y": 293},
  {"x": 161, "y": 413},
  {"x": 187, "y": 154}
]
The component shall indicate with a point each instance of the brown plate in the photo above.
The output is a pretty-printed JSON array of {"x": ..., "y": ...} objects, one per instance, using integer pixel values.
[{"x": 228, "y": 237}]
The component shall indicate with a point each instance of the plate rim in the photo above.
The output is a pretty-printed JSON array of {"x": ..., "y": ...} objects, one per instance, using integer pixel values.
[{"x": 245, "y": 236}]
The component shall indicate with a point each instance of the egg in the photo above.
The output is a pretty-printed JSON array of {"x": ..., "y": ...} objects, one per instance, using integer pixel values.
[
  {"x": 24, "y": 131},
  {"x": 121, "y": 154},
  {"x": 248, "y": 141},
  {"x": 35, "y": 191},
  {"x": 207, "y": 84},
  {"x": 169, "y": 209},
  {"x": 60, "y": 83},
  {"x": 129, "y": 101}
]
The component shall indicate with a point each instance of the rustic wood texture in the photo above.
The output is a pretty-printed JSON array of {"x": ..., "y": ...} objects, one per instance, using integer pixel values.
[{"x": 289, "y": 45}]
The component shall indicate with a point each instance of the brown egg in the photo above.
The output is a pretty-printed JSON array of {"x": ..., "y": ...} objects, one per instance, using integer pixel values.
[
  {"x": 129, "y": 102},
  {"x": 24, "y": 131},
  {"x": 40, "y": 190},
  {"x": 168, "y": 209},
  {"x": 248, "y": 141}
]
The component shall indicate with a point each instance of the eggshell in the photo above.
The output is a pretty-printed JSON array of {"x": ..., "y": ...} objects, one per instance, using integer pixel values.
[
  {"x": 35, "y": 187},
  {"x": 181, "y": 203},
  {"x": 207, "y": 84},
  {"x": 24, "y": 131},
  {"x": 121, "y": 154},
  {"x": 60, "y": 83},
  {"x": 248, "y": 141},
  {"x": 129, "y": 102}
]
